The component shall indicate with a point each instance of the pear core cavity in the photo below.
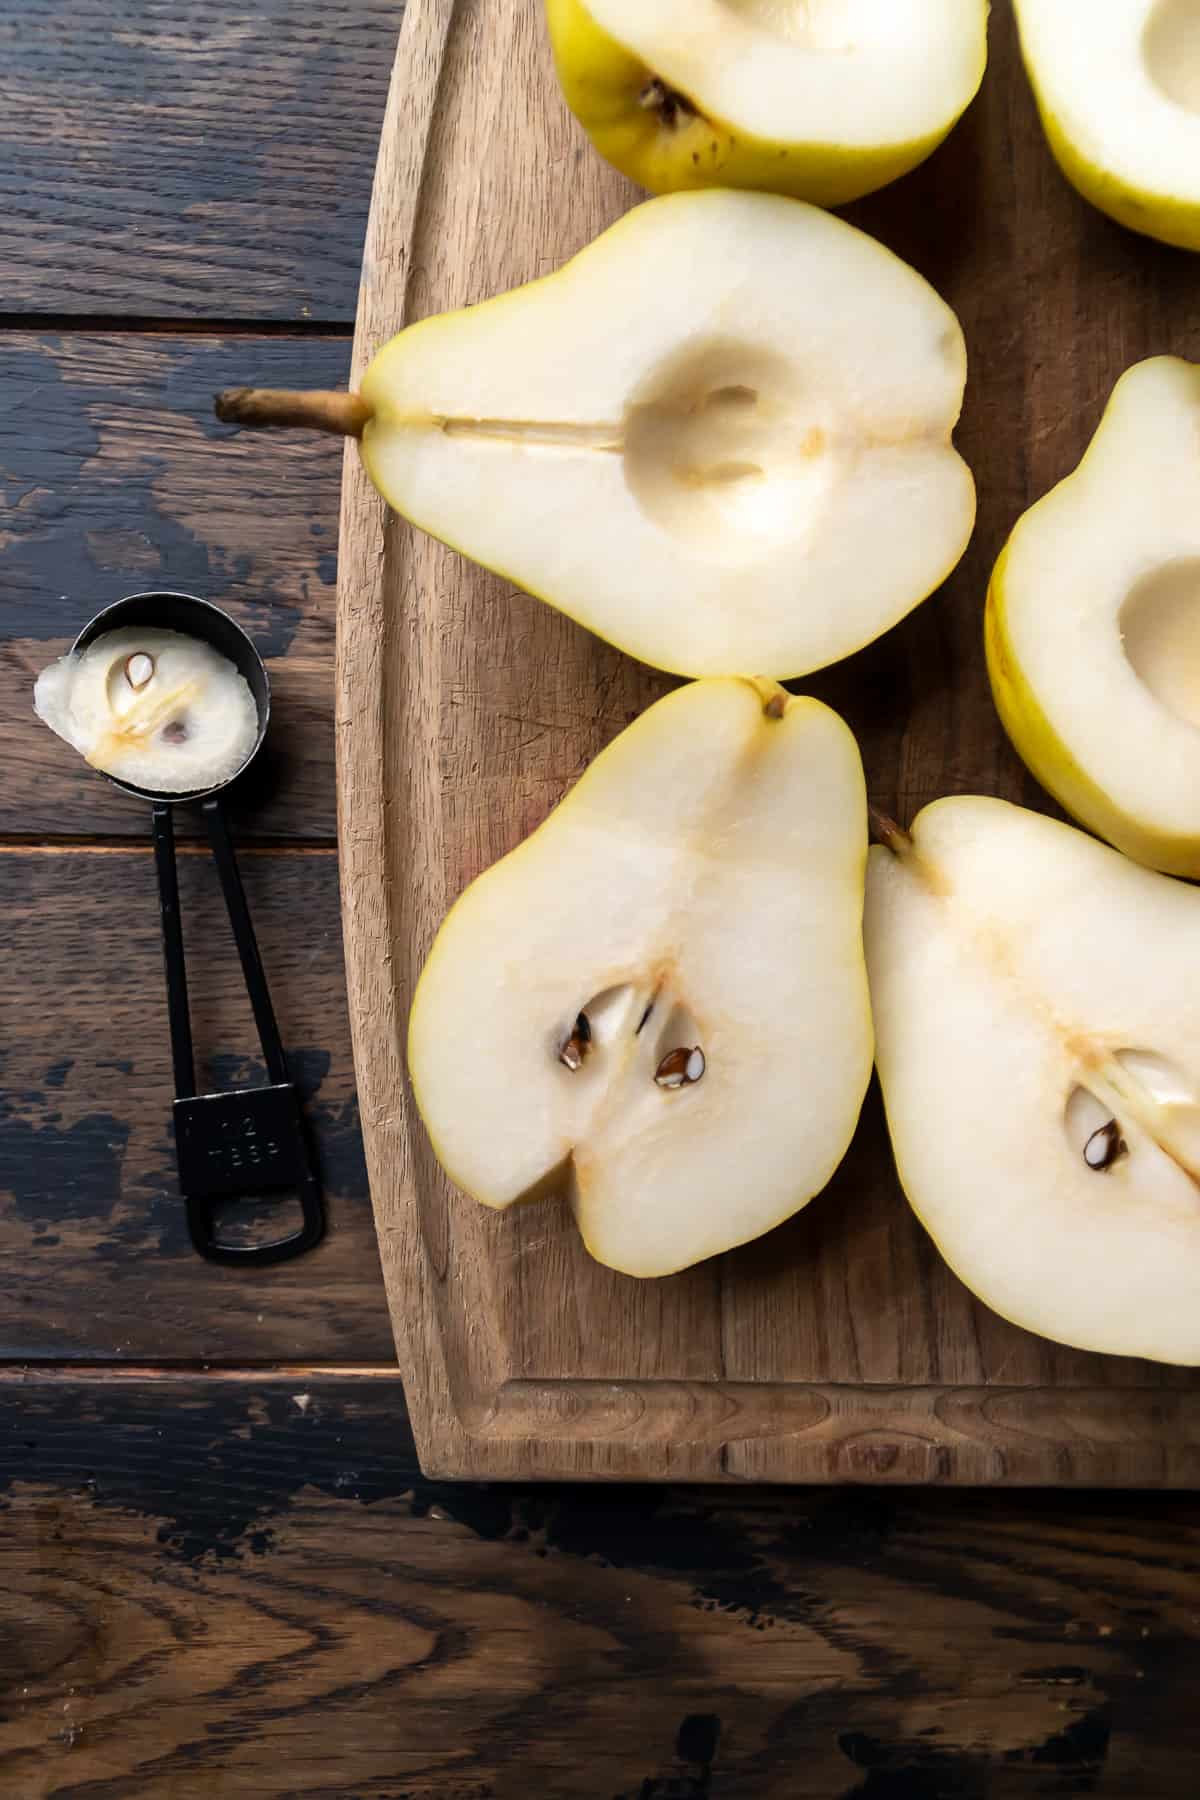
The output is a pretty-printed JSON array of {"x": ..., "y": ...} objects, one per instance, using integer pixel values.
[
  {"x": 1171, "y": 48},
  {"x": 1160, "y": 634},
  {"x": 726, "y": 449}
]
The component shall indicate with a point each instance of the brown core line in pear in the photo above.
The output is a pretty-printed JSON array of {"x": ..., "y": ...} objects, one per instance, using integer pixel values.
[{"x": 724, "y": 445}]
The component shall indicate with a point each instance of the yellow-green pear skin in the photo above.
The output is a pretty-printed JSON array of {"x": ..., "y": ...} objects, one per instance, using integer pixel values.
[
  {"x": 1092, "y": 625},
  {"x": 657, "y": 1004},
  {"x": 1171, "y": 221},
  {"x": 669, "y": 137},
  {"x": 1117, "y": 87},
  {"x": 1047, "y": 757}
]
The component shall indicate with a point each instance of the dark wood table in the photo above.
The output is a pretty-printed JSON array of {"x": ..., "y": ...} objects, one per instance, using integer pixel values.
[{"x": 223, "y": 1573}]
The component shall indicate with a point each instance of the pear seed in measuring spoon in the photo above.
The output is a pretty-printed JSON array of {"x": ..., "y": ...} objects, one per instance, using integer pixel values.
[{"x": 139, "y": 670}]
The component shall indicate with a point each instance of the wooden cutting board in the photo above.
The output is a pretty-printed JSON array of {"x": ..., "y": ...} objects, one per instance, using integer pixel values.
[{"x": 841, "y": 1347}]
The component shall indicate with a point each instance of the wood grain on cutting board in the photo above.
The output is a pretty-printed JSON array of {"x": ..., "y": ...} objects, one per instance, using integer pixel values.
[{"x": 841, "y": 1347}]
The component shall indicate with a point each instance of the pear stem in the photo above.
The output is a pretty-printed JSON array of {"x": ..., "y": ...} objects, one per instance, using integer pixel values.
[
  {"x": 321, "y": 409},
  {"x": 885, "y": 831}
]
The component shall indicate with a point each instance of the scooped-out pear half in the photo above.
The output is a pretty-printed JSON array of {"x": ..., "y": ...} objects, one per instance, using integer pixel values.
[
  {"x": 719, "y": 437},
  {"x": 1117, "y": 84},
  {"x": 657, "y": 1004},
  {"x": 822, "y": 99},
  {"x": 1038, "y": 1046},
  {"x": 1093, "y": 625}
]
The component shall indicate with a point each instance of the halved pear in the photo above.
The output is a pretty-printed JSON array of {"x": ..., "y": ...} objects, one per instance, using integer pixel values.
[
  {"x": 1093, "y": 625},
  {"x": 1038, "y": 1045},
  {"x": 719, "y": 437},
  {"x": 658, "y": 1002},
  {"x": 823, "y": 99},
  {"x": 1117, "y": 83}
]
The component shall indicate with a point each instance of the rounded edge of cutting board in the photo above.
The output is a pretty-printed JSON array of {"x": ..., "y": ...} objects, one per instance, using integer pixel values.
[
  {"x": 465, "y": 73},
  {"x": 367, "y": 534}
]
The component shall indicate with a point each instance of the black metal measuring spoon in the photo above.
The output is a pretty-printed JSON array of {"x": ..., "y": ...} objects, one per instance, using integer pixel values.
[{"x": 249, "y": 1142}]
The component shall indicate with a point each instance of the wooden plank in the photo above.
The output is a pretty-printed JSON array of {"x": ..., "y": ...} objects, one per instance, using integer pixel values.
[
  {"x": 210, "y": 161},
  {"x": 115, "y": 478},
  {"x": 95, "y": 1261},
  {"x": 841, "y": 1345},
  {"x": 246, "y": 1587}
]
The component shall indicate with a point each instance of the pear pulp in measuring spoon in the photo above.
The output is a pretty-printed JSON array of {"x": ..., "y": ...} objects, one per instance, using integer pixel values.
[
  {"x": 156, "y": 709},
  {"x": 1038, "y": 1045}
]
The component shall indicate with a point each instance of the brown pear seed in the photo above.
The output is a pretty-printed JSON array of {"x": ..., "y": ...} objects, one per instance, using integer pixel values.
[
  {"x": 1104, "y": 1146},
  {"x": 577, "y": 1045},
  {"x": 139, "y": 670},
  {"x": 680, "y": 1068}
]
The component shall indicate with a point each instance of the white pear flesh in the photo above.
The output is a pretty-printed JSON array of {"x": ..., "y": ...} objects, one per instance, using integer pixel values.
[
  {"x": 701, "y": 887},
  {"x": 1118, "y": 86},
  {"x": 720, "y": 437},
  {"x": 1094, "y": 625},
  {"x": 1031, "y": 990}
]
